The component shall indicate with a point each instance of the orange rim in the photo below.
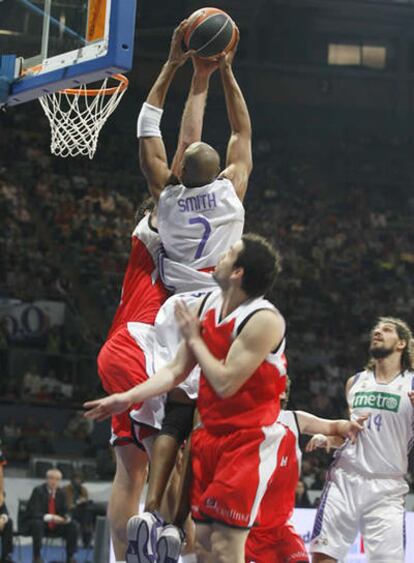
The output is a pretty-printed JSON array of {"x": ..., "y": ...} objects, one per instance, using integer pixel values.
[{"x": 99, "y": 91}]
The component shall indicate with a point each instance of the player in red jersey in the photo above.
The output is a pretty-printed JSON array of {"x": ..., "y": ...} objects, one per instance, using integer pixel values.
[
  {"x": 238, "y": 344},
  {"x": 275, "y": 540},
  {"x": 122, "y": 361}
]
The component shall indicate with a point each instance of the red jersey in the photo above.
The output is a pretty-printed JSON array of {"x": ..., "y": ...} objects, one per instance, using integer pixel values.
[
  {"x": 256, "y": 403},
  {"x": 142, "y": 290}
]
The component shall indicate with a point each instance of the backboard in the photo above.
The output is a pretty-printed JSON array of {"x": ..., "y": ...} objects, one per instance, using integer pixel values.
[{"x": 64, "y": 43}]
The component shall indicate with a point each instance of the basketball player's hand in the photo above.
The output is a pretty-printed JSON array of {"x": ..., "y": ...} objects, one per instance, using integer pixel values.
[
  {"x": 411, "y": 397},
  {"x": 188, "y": 322},
  {"x": 316, "y": 442},
  {"x": 351, "y": 428},
  {"x": 177, "y": 55},
  {"x": 100, "y": 409},
  {"x": 226, "y": 59},
  {"x": 204, "y": 67}
]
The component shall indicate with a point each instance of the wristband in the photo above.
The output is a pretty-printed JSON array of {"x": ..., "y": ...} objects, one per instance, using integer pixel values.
[{"x": 149, "y": 120}]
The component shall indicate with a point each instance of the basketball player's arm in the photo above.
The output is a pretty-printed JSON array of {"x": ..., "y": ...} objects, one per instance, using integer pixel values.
[
  {"x": 310, "y": 424},
  {"x": 152, "y": 154},
  {"x": 261, "y": 334},
  {"x": 193, "y": 116},
  {"x": 239, "y": 162},
  {"x": 321, "y": 440},
  {"x": 165, "y": 379}
]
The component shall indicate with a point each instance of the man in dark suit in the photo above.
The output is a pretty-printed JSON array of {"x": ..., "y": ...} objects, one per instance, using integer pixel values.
[
  {"x": 47, "y": 515},
  {"x": 6, "y": 523}
]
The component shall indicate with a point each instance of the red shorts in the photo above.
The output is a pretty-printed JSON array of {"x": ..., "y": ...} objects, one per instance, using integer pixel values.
[
  {"x": 121, "y": 365},
  {"x": 231, "y": 473},
  {"x": 278, "y": 545}
]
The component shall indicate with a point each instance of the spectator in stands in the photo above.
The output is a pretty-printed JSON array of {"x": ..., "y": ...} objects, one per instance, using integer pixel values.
[
  {"x": 79, "y": 427},
  {"x": 80, "y": 507},
  {"x": 6, "y": 523},
  {"x": 11, "y": 431},
  {"x": 301, "y": 496},
  {"x": 32, "y": 382},
  {"x": 47, "y": 515}
]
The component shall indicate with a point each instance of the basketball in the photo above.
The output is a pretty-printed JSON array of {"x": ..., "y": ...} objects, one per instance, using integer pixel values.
[{"x": 210, "y": 32}]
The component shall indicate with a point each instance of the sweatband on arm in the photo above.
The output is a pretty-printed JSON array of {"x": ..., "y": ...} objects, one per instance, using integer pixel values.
[{"x": 149, "y": 120}]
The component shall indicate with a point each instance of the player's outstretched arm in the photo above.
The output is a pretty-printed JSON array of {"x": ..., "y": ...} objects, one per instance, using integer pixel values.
[
  {"x": 161, "y": 382},
  {"x": 239, "y": 161},
  {"x": 191, "y": 126},
  {"x": 261, "y": 334},
  {"x": 152, "y": 153},
  {"x": 310, "y": 424}
]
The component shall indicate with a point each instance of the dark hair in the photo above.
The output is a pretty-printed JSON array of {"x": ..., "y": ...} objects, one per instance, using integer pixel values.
[
  {"x": 404, "y": 333},
  {"x": 260, "y": 262},
  {"x": 147, "y": 205}
]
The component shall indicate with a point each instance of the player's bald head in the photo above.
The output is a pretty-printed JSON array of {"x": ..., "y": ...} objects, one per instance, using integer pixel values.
[{"x": 200, "y": 166}]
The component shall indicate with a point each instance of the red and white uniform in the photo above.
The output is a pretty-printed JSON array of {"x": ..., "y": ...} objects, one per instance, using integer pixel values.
[
  {"x": 275, "y": 540},
  {"x": 196, "y": 226},
  {"x": 235, "y": 453},
  {"x": 126, "y": 357}
]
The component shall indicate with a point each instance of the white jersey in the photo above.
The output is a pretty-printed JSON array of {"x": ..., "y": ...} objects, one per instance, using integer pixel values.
[
  {"x": 197, "y": 225},
  {"x": 180, "y": 278},
  {"x": 381, "y": 450}
]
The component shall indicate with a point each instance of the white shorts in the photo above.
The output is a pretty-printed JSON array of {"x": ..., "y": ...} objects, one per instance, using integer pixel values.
[
  {"x": 168, "y": 337},
  {"x": 350, "y": 503}
]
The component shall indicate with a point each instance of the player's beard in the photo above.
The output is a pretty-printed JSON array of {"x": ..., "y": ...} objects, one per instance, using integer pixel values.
[{"x": 381, "y": 352}]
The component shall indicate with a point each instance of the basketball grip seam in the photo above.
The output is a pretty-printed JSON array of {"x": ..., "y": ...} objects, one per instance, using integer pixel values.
[{"x": 214, "y": 36}]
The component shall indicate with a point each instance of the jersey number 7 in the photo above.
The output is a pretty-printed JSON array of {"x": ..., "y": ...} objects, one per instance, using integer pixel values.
[{"x": 207, "y": 232}]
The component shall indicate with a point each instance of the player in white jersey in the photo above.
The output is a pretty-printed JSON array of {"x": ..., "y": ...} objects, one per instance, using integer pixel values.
[
  {"x": 365, "y": 485},
  {"x": 200, "y": 212}
]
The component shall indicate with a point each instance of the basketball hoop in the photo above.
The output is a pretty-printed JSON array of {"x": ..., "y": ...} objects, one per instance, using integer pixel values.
[{"x": 77, "y": 115}]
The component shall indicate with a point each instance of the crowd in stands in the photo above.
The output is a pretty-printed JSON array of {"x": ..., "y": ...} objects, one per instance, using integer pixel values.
[{"x": 340, "y": 211}]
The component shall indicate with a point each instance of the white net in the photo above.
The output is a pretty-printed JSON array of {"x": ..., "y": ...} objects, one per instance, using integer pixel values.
[{"x": 76, "y": 117}]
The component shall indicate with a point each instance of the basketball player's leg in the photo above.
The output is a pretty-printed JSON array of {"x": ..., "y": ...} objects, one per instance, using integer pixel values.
[
  {"x": 227, "y": 544},
  {"x": 336, "y": 522},
  {"x": 176, "y": 427},
  {"x": 382, "y": 523},
  {"x": 121, "y": 365},
  {"x": 129, "y": 480},
  {"x": 163, "y": 456},
  {"x": 181, "y": 499},
  {"x": 203, "y": 542}
]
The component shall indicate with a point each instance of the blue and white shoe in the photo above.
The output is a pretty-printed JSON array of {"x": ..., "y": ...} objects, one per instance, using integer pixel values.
[
  {"x": 143, "y": 532},
  {"x": 169, "y": 544}
]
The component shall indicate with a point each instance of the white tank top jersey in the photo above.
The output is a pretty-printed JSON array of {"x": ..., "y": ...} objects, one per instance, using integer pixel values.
[
  {"x": 381, "y": 450},
  {"x": 180, "y": 278},
  {"x": 197, "y": 224}
]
